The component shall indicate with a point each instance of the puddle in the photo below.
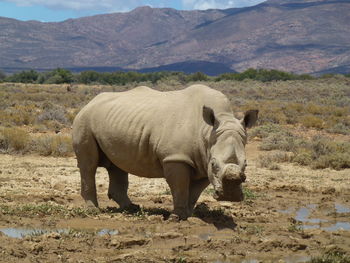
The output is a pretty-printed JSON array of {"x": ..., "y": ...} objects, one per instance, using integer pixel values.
[
  {"x": 303, "y": 215},
  {"x": 205, "y": 236},
  {"x": 288, "y": 259},
  {"x": 341, "y": 209},
  {"x": 22, "y": 232}
]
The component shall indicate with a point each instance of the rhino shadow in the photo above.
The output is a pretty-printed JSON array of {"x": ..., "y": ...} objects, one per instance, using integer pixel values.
[
  {"x": 217, "y": 217},
  {"x": 138, "y": 211}
]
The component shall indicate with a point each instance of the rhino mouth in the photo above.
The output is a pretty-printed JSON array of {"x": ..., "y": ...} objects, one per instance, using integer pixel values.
[
  {"x": 231, "y": 185},
  {"x": 233, "y": 194}
]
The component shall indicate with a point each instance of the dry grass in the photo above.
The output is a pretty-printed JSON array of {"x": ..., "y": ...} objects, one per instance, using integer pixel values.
[
  {"x": 18, "y": 140},
  {"x": 320, "y": 104}
]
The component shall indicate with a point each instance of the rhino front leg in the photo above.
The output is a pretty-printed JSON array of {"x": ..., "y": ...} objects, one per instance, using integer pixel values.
[
  {"x": 118, "y": 186},
  {"x": 177, "y": 176},
  {"x": 196, "y": 188}
]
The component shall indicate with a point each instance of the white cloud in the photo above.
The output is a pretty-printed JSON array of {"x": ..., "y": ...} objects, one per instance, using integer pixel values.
[
  {"x": 217, "y": 4},
  {"x": 126, "y": 5},
  {"x": 80, "y": 5}
]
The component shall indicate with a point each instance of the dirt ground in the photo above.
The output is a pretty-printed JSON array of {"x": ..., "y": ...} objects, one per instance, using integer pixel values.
[{"x": 289, "y": 215}]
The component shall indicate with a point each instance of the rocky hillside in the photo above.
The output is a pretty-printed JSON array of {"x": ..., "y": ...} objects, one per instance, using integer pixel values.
[{"x": 292, "y": 35}]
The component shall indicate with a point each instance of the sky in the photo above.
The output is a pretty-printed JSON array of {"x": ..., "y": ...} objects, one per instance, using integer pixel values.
[{"x": 59, "y": 10}]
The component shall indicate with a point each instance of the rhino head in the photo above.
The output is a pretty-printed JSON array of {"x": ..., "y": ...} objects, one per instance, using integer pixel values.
[{"x": 226, "y": 153}]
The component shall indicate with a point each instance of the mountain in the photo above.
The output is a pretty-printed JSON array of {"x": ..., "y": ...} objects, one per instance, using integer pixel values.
[{"x": 303, "y": 36}]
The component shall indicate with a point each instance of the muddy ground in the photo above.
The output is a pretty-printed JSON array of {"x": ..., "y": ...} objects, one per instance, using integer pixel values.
[{"x": 289, "y": 215}]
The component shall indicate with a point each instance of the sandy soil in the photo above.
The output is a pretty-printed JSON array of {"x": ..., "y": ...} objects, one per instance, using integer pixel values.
[{"x": 290, "y": 215}]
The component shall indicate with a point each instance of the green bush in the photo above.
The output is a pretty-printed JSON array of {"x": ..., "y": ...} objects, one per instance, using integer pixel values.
[
  {"x": 2, "y": 76},
  {"x": 29, "y": 76},
  {"x": 263, "y": 75}
]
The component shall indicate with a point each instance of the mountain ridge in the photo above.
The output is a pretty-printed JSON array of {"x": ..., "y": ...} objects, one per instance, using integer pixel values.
[{"x": 290, "y": 35}]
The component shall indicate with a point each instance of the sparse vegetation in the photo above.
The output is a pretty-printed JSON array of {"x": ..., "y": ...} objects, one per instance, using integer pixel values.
[
  {"x": 249, "y": 194},
  {"x": 48, "y": 208},
  {"x": 332, "y": 257},
  {"x": 13, "y": 139},
  {"x": 18, "y": 140},
  {"x": 288, "y": 108},
  {"x": 318, "y": 152}
]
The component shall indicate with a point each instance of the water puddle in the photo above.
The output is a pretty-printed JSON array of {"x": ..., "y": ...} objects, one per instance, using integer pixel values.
[
  {"x": 304, "y": 215},
  {"x": 22, "y": 232},
  {"x": 287, "y": 259},
  {"x": 340, "y": 209},
  {"x": 205, "y": 236}
]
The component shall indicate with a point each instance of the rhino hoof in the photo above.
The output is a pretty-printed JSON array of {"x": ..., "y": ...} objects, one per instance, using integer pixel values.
[
  {"x": 174, "y": 218},
  {"x": 132, "y": 208},
  {"x": 90, "y": 204}
]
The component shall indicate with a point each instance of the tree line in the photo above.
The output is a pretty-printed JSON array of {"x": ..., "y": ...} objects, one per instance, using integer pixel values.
[{"x": 60, "y": 76}]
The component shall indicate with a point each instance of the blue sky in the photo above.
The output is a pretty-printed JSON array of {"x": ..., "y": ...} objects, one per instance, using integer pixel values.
[{"x": 58, "y": 10}]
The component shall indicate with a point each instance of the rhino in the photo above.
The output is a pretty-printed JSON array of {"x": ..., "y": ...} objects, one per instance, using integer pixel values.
[{"x": 190, "y": 137}]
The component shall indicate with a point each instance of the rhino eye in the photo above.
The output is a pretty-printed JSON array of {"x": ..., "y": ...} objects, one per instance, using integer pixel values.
[{"x": 215, "y": 167}]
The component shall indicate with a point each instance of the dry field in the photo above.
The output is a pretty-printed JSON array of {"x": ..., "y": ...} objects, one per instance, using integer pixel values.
[{"x": 293, "y": 212}]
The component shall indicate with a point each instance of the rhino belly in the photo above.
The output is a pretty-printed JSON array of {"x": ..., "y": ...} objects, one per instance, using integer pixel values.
[{"x": 132, "y": 158}]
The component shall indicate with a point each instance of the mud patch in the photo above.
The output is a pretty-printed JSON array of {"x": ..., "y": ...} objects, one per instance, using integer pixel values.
[
  {"x": 23, "y": 232},
  {"x": 44, "y": 201}
]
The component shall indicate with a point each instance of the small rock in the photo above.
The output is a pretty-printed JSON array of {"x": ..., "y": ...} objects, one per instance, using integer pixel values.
[
  {"x": 114, "y": 242},
  {"x": 58, "y": 186},
  {"x": 129, "y": 242},
  {"x": 53, "y": 235},
  {"x": 329, "y": 190},
  {"x": 36, "y": 248},
  {"x": 155, "y": 218},
  {"x": 195, "y": 220},
  {"x": 169, "y": 235}
]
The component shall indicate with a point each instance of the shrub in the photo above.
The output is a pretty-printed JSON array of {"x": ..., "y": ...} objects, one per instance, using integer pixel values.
[
  {"x": 270, "y": 160},
  {"x": 52, "y": 145},
  {"x": 283, "y": 140},
  {"x": 332, "y": 257},
  {"x": 339, "y": 128},
  {"x": 310, "y": 121},
  {"x": 264, "y": 131},
  {"x": 53, "y": 112},
  {"x": 333, "y": 160},
  {"x": 13, "y": 140},
  {"x": 303, "y": 157},
  {"x": 198, "y": 76}
]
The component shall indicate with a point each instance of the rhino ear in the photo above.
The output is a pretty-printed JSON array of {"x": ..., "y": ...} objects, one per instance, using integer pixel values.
[
  {"x": 250, "y": 118},
  {"x": 209, "y": 116}
]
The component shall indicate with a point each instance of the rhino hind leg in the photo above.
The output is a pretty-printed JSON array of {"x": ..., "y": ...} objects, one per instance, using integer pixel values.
[
  {"x": 118, "y": 187},
  {"x": 87, "y": 157},
  {"x": 196, "y": 188}
]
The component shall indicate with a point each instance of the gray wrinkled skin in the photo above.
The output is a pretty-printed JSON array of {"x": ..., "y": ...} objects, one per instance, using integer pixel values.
[{"x": 189, "y": 137}]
